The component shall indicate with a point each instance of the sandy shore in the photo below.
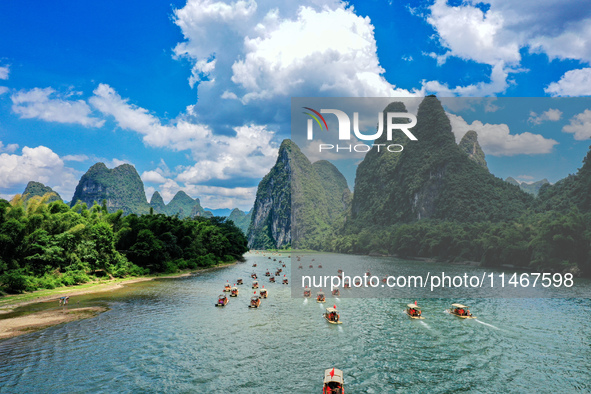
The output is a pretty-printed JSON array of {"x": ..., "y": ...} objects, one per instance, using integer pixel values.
[
  {"x": 36, "y": 321},
  {"x": 40, "y": 320}
]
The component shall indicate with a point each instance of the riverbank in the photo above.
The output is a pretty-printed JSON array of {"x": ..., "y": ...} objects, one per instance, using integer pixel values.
[{"x": 39, "y": 320}]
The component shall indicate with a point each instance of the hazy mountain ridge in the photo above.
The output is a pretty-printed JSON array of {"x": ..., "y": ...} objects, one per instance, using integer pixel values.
[{"x": 531, "y": 188}]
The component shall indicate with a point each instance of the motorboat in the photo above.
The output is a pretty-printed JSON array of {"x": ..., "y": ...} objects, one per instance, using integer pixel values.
[
  {"x": 461, "y": 311},
  {"x": 332, "y": 315},
  {"x": 333, "y": 382},
  {"x": 414, "y": 312},
  {"x": 222, "y": 300}
]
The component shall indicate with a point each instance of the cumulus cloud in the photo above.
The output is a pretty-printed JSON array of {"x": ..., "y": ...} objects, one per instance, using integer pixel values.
[
  {"x": 580, "y": 126},
  {"x": 497, "y": 140},
  {"x": 37, "y": 164},
  {"x": 497, "y": 84},
  {"x": 551, "y": 115},
  {"x": 559, "y": 29},
  {"x": 333, "y": 50},
  {"x": 153, "y": 176},
  {"x": 47, "y": 105},
  {"x": 471, "y": 34},
  {"x": 572, "y": 83},
  {"x": 10, "y": 148},
  {"x": 268, "y": 49},
  {"x": 249, "y": 153},
  {"x": 132, "y": 117}
]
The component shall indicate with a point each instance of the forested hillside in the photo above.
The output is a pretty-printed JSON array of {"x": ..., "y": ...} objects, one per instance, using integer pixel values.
[{"x": 45, "y": 245}]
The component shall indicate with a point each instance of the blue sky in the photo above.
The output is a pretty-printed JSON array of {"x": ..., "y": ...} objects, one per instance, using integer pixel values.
[{"x": 196, "y": 94}]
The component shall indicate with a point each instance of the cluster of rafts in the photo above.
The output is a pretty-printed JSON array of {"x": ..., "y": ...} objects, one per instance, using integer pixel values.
[{"x": 255, "y": 300}]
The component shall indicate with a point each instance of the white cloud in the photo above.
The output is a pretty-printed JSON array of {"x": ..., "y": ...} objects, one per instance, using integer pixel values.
[
  {"x": 10, "y": 148},
  {"x": 268, "y": 49},
  {"x": 149, "y": 190},
  {"x": 168, "y": 189},
  {"x": 209, "y": 26},
  {"x": 117, "y": 162},
  {"x": 132, "y": 117},
  {"x": 229, "y": 95},
  {"x": 210, "y": 196},
  {"x": 332, "y": 51},
  {"x": 249, "y": 153},
  {"x": 75, "y": 158},
  {"x": 3, "y": 89},
  {"x": 580, "y": 126},
  {"x": 558, "y": 28},
  {"x": 47, "y": 105},
  {"x": 215, "y": 197},
  {"x": 153, "y": 176},
  {"x": 4, "y": 72},
  {"x": 469, "y": 33},
  {"x": 39, "y": 164},
  {"x": 498, "y": 83},
  {"x": 551, "y": 115},
  {"x": 572, "y": 83},
  {"x": 497, "y": 140}
]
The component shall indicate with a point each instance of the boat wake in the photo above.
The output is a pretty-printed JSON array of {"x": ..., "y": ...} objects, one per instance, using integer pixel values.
[
  {"x": 486, "y": 324},
  {"x": 425, "y": 324}
]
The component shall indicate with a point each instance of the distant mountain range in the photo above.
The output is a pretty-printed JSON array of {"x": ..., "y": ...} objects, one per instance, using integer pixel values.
[
  {"x": 122, "y": 188},
  {"x": 531, "y": 188}
]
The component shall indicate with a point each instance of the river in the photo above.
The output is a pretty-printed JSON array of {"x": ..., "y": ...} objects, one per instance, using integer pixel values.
[{"x": 167, "y": 336}]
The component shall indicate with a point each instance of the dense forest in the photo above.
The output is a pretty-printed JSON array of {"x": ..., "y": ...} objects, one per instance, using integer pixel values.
[
  {"x": 549, "y": 241},
  {"x": 49, "y": 244},
  {"x": 553, "y": 233}
]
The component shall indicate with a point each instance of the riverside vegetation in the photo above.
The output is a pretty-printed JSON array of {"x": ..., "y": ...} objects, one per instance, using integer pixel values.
[{"x": 49, "y": 244}]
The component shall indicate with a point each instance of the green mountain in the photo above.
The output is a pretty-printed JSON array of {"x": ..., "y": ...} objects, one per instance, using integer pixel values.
[
  {"x": 157, "y": 203},
  {"x": 38, "y": 189},
  {"x": 298, "y": 203},
  {"x": 338, "y": 195},
  {"x": 469, "y": 145},
  {"x": 184, "y": 206},
  {"x": 374, "y": 178},
  {"x": 270, "y": 225},
  {"x": 572, "y": 191},
  {"x": 240, "y": 219},
  {"x": 432, "y": 178},
  {"x": 121, "y": 187}
]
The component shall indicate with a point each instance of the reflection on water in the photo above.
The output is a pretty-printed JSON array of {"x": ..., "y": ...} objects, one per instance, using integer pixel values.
[{"x": 167, "y": 336}]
